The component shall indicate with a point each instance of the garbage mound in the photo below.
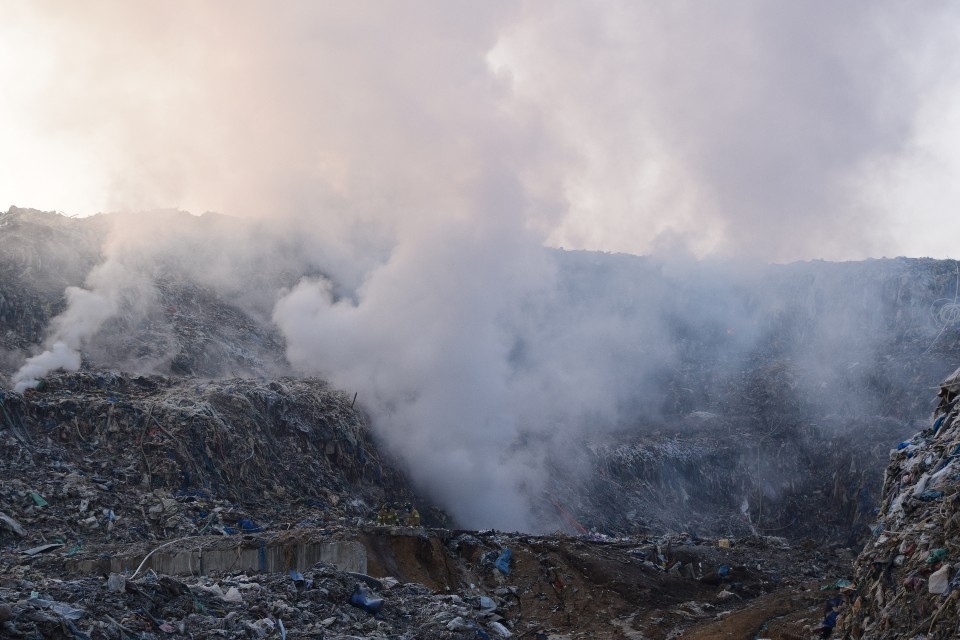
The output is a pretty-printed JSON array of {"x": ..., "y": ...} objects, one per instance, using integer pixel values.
[
  {"x": 117, "y": 457},
  {"x": 732, "y": 477},
  {"x": 908, "y": 575},
  {"x": 322, "y": 602},
  {"x": 174, "y": 322},
  {"x": 756, "y": 403}
]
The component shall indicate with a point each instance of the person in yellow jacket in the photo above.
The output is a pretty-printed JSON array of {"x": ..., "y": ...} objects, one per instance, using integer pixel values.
[{"x": 413, "y": 516}]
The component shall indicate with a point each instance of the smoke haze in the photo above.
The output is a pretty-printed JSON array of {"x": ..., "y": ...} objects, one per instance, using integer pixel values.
[{"x": 398, "y": 168}]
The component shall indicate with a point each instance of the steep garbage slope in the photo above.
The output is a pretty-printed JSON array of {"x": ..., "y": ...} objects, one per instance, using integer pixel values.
[
  {"x": 717, "y": 399},
  {"x": 41, "y": 254},
  {"x": 844, "y": 339},
  {"x": 171, "y": 318},
  {"x": 908, "y": 575},
  {"x": 125, "y": 458},
  {"x": 726, "y": 478}
]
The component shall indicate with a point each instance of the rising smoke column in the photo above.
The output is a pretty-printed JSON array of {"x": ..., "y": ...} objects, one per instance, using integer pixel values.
[
  {"x": 122, "y": 283},
  {"x": 426, "y": 342}
]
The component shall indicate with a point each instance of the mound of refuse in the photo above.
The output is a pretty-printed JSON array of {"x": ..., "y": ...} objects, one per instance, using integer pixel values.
[
  {"x": 730, "y": 477},
  {"x": 747, "y": 402},
  {"x": 908, "y": 575},
  {"x": 105, "y": 456}
]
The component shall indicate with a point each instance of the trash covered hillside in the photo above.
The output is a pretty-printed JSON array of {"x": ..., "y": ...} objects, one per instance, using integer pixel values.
[
  {"x": 181, "y": 479},
  {"x": 908, "y": 576},
  {"x": 749, "y": 393}
]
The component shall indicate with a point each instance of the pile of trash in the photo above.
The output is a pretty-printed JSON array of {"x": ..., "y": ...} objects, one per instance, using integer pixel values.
[
  {"x": 104, "y": 456},
  {"x": 908, "y": 575},
  {"x": 174, "y": 322},
  {"x": 481, "y": 584},
  {"x": 718, "y": 476},
  {"x": 322, "y": 602}
]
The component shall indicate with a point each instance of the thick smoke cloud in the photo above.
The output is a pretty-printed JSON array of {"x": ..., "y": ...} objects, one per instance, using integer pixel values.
[
  {"x": 747, "y": 128},
  {"x": 412, "y": 159}
]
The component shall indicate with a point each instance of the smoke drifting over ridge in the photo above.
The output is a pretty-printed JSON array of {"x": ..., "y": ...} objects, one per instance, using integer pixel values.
[
  {"x": 774, "y": 130},
  {"x": 413, "y": 159}
]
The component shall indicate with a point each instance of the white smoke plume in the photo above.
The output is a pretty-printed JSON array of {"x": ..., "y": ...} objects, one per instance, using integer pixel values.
[{"x": 57, "y": 356}]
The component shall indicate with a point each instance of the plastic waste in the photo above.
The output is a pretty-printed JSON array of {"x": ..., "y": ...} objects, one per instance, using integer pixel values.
[
  {"x": 839, "y": 584},
  {"x": 60, "y": 608},
  {"x": 43, "y": 548},
  {"x": 233, "y": 595},
  {"x": 299, "y": 580},
  {"x": 117, "y": 582},
  {"x": 503, "y": 561},
  {"x": 67, "y": 611},
  {"x": 939, "y": 580},
  {"x": 936, "y": 555},
  {"x": 12, "y": 524},
  {"x": 938, "y": 423},
  {"x": 249, "y": 525},
  {"x": 363, "y": 598}
]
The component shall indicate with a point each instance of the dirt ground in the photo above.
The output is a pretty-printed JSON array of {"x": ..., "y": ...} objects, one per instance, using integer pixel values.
[{"x": 671, "y": 587}]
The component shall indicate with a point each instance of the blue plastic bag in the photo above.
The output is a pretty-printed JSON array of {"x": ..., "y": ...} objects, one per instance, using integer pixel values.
[
  {"x": 249, "y": 525},
  {"x": 364, "y": 599},
  {"x": 503, "y": 562}
]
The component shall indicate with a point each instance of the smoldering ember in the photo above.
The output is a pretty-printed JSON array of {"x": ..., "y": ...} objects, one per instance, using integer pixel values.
[{"x": 625, "y": 448}]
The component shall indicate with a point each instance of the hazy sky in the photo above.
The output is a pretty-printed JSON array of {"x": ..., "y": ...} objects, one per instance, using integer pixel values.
[{"x": 779, "y": 130}]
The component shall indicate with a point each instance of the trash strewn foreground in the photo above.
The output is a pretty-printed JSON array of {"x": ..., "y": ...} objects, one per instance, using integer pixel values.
[{"x": 153, "y": 507}]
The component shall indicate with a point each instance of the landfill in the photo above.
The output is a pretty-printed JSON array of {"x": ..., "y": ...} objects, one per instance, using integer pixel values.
[
  {"x": 184, "y": 483},
  {"x": 151, "y": 506}
]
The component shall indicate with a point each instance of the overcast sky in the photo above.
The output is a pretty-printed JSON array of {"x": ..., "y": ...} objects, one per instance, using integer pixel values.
[{"x": 777, "y": 130}]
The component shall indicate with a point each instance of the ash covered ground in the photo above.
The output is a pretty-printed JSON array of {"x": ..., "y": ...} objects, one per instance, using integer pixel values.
[{"x": 721, "y": 487}]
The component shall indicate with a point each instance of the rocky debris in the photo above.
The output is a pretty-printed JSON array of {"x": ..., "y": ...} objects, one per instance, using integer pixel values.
[{"x": 908, "y": 575}]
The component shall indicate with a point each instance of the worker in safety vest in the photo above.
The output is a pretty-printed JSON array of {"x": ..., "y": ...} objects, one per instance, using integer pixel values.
[{"x": 413, "y": 516}]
